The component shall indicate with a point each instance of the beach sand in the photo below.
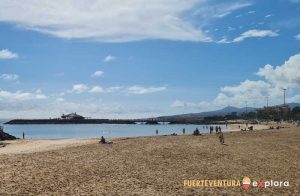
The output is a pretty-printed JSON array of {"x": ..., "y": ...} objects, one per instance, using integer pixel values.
[
  {"x": 31, "y": 146},
  {"x": 156, "y": 165},
  {"x": 256, "y": 127}
]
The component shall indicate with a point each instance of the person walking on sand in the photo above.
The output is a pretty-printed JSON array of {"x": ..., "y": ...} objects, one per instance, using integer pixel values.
[
  {"x": 221, "y": 137},
  {"x": 183, "y": 131},
  {"x": 156, "y": 131}
]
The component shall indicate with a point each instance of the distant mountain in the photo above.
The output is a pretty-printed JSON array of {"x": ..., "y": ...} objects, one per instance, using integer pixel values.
[
  {"x": 222, "y": 112},
  {"x": 293, "y": 105}
]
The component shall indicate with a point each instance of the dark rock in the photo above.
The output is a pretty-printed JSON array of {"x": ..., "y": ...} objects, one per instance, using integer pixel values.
[{"x": 6, "y": 136}]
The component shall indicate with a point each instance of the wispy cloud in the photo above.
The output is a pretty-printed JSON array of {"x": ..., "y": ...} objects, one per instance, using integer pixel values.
[
  {"x": 255, "y": 33},
  {"x": 186, "y": 104},
  {"x": 219, "y": 10},
  {"x": 97, "y": 73},
  {"x": 145, "y": 90},
  {"x": 79, "y": 88},
  {"x": 96, "y": 89},
  {"x": 9, "y": 77},
  {"x": 248, "y": 34},
  {"x": 269, "y": 15},
  {"x": 297, "y": 37},
  {"x": 20, "y": 96},
  {"x": 6, "y": 54},
  {"x": 117, "y": 20},
  {"x": 106, "y": 21},
  {"x": 136, "y": 89},
  {"x": 83, "y": 88},
  {"x": 109, "y": 58}
]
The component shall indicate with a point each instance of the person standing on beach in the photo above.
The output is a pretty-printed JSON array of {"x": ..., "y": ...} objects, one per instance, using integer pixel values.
[
  {"x": 156, "y": 131},
  {"x": 183, "y": 131},
  {"x": 23, "y": 135},
  {"x": 221, "y": 137}
]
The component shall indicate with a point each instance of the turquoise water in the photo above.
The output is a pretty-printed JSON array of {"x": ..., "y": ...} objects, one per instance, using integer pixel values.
[{"x": 93, "y": 131}]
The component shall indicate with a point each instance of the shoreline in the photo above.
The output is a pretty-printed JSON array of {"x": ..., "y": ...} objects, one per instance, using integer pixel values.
[{"x": 25, "y": 146}]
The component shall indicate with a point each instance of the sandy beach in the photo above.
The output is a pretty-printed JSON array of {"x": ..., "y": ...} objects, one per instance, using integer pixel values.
[
  {"x": 155, "y": 165},
  {"x": 239, "y": 126},
  {"x": 31, "y": 146}
]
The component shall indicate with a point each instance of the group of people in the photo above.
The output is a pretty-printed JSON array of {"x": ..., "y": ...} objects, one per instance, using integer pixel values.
[{"x": 218, "y": 130}]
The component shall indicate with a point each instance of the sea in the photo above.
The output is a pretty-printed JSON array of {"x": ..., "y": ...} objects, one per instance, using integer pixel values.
[{"x": 59, "y": 131}]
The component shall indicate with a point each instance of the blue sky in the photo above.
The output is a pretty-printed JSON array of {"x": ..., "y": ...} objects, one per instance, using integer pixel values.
[{"x": 116, "y": 59}]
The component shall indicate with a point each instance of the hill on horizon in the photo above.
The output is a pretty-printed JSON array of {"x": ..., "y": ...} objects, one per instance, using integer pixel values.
[{"x": 222, "y": 112}]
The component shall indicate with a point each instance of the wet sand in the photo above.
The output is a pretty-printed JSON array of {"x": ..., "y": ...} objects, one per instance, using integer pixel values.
[{"x": 156, "y": 165}]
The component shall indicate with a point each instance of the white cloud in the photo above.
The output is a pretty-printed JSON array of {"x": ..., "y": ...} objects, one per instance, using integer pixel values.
[
  {"x": 297, "y": 37},
  {"x": 20, "y": 96},
  {"x": 251, "y": 12},
  {"x": 113, "y": 89},
  {"x": 98, "y": 73},
  {"x": 60, "y": 99},
  {"x": 9, "y": 77},
  {"x": 255, "y": 33},
  {"x": 286, "y": 75},
  {"x": 185, "y": 104},
  {"x": 109, "y": 58},
  {"x": 251, "y": 91},
  {"x": 107, "y": 21},
  {"x": 224, "y": 41},
  {"x": 295, "y": 1},
  {"x": 269, "y": 15},
  {"x": 96, "y": 89},
  {"x": 39, "y": 91},
  {"x": 219, "y": 10},
  {"x": 79, "y": 88},
  {"x": 83, "y": 88},
  {"x": 144, "y": 90},
  {"x": 6, "y": 54}
]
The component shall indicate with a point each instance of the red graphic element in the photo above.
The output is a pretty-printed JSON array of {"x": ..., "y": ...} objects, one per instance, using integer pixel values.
[
  {"x": 246, "y": 183},
  {"x": 260, "y": 184}
]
